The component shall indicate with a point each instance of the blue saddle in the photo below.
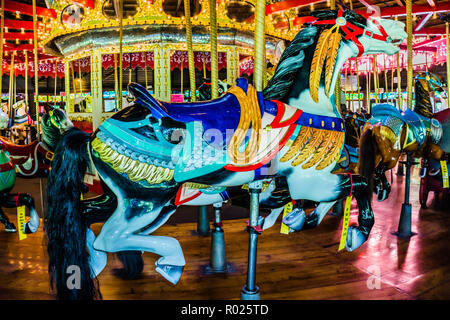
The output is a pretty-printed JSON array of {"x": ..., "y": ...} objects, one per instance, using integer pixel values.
[
  {"x": 417, "y": 123},
  {"x": 222, "y": 113}
]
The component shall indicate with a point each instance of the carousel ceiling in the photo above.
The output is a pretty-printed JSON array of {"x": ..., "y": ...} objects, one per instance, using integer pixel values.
[{"x": 62, "y": 17}]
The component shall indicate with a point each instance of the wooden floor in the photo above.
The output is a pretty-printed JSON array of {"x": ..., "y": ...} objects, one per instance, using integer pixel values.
[{"x": 304, "y": 265}]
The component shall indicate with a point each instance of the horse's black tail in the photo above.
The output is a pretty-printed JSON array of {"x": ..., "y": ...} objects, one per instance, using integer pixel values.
[
  {"x": 65, "y": 226},
  {"x": 366, "y": 163},
  {"x": 133, "y": 265}
]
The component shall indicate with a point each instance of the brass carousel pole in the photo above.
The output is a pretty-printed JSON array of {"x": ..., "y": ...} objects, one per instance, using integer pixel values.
[
  {"x": 120, "y": 52},
  {"x": 448, "y": 62},
  {"x": 26, "y": 79},
  {"x": 375, "y": 78},
  {"x": 404, "y": 224},
  {"x": 399, "y": 84},
  {"x": 2, "y": 24},
  {"x": 36, "y": 90},
  {"x": 357, "y": 84},
  {"x": 116, "y": 84},
  {"x": 11, "y": 74},
  {"x": 368, "y": 88},
  {"x": 214, "y": 54},
  {"x": 409, "y": 45},
  {"x": 187, "y": 16},
  {"x": 386, "y": 88},
  {"x": 250, "y": 290},
  {"x": 337, "y": 88},
  {"x": 56, "y": 82}
]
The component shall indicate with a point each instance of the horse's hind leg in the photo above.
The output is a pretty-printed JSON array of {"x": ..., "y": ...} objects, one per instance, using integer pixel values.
[
  {"x": 357, "y": 235},
  {"x": 298, "y": 220},
  {"x": 121, "y": 233}
]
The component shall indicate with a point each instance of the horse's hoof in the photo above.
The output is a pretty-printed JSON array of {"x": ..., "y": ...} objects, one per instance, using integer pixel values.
[
  {"x": 295, "y": 219},
  {"x": 27, "y": 229},
  {"x": 10, "y": 227},
  {"x": 381, "y": 196},
  {"x": 355, "y": 238},
  {"x": 170, "y": 272}
]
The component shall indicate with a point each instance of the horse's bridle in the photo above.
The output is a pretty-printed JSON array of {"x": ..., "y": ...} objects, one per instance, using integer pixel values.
[
  {"x": 355, "y": 30},
  {"x": 432, "y": 80}
]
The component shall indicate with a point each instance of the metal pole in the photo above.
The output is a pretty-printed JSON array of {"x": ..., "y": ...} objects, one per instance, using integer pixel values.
[
  {"x": 357, "y": 83},
  {"x": 409, "y": 45},
  {"x": 203, "y": 221},
  {"x": 214, "y": 54},
  {"x": 187, "y": 16},
  {"x": 121, "y": 53},
  {"x": 259, "y": 57},
  {"x": 404, "y": 225},
  {"x": 448, "y": 62},
  {"x": 2, "y": 25},
  {"x": 399, "y": 84},
  {"x": 218, "y": 262},
  {"x": 250, "y": 291}
]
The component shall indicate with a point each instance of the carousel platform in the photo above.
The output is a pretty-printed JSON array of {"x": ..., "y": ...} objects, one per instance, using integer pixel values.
[{"x": 303, "y": 265}]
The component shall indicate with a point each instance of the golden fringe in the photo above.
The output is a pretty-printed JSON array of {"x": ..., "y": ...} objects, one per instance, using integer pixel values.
[
  {"x": 334, "y": 151},
  {"x": 298, "y": 144},
  {"x": 333, "y": 48},
  {"x": 135, "y": 170},
  {"x": 313, "y": 143},
  {"x": 195, "y": 185},
  {"x": 320, "y": 147},
  {"x": 250, "y": 116},
  {"x": 324, "y": 147}
]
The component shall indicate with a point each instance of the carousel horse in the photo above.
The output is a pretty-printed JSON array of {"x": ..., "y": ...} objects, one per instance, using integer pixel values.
[
  {"x": 431, "y": 171},
  {"x": 145, "y": 152},
  {"x": 354, "y": 123},
  {"x": 390, "y": 132},
  {"x": 28, "y": 161},
  {"x": 274, "y": 196},
  {"x": 204, "y": 90},
  {"x": 20, "y": 120}
]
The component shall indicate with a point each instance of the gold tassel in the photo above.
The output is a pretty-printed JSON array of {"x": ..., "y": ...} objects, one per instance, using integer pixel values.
[{"x": 333, "y": 49}]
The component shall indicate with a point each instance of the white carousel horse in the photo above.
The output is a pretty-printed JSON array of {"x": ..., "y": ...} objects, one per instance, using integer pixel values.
[{"x": 137, "y": 158}]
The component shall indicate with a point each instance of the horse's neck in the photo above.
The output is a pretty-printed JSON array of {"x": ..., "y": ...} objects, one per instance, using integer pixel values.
[
  {"x": 300, "y": 96},
  {"x": 423, "y": 102},
  {"x": 20, "y": 112}
]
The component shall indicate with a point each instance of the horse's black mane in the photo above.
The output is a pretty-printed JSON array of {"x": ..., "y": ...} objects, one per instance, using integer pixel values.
[{"x": 291, "y": 60}]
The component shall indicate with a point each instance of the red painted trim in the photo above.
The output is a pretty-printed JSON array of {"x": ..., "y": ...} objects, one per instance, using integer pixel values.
[
  {"x": 288, "y": 4},
  {"x": 6, "y": 166},
  {"x": 18, "y": 36},
  {"x": 177, "y": 199},
  {"x": 17, "y": 24},
  {"x": 28, "y": 9},
  {"x": 281, "y": 109},
  {"x": 416, "y": 9}
]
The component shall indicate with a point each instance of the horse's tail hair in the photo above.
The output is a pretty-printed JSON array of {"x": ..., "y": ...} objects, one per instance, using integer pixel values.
[
  {"x": 366, "y": 163},
  {"x": 65, "y": 226},
  {"x": 133, "y": 264}
]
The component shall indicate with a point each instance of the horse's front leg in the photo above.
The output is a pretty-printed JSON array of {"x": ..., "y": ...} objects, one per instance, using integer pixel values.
[
  {"x": 9, "y": 226},
  {"x": 14, "y": 200},
  {"x": 382, "y": 187}
]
